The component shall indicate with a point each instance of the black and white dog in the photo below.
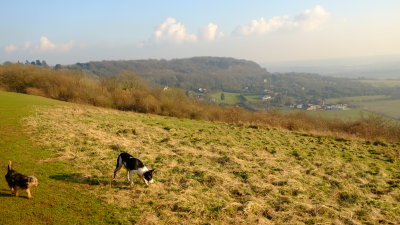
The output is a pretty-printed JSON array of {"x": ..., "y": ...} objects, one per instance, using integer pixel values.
[{"x": 133, "y": 165}]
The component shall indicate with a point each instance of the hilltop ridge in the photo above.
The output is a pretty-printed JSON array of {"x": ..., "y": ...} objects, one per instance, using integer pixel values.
[{"x": 212, "y": 73}]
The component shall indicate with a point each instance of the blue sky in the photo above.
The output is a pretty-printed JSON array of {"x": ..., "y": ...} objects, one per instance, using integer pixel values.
[{"x": 78, "y": 31}]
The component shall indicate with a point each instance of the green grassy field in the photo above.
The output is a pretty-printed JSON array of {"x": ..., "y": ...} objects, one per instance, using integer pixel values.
[
  {"x": 207, "y": 173},
  {"x": 253, "y": 97},
  {"x": 379, "y": 104},
  {"x": 389, "y": 108},
  {"x": 351, "y": 115},
  {"x": 355, "y": 99},
  {"x": 383, "y": 83},
  {"x": 230, "y": 98},
  {"x": 233, "y": 98},
  {"x": 55, "y": 201}
]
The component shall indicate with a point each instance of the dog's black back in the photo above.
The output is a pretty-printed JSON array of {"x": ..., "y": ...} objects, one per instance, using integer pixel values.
[
  {"x": 130, "y": 162},
  {"x": 15, "y": 179}
]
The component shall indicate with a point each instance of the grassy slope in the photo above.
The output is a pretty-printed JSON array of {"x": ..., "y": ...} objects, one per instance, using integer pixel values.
[
  {"x": 54, "y": 201},
  {"x": 207, "y": 172}
]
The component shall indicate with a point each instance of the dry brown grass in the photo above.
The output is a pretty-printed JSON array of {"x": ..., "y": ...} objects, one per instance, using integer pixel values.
[
  {"x": 218, "y": 173},
  {"x": 129, "y": 92}
]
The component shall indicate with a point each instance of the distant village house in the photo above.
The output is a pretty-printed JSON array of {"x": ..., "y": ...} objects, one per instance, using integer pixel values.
[{"x": 266, "y": 97}]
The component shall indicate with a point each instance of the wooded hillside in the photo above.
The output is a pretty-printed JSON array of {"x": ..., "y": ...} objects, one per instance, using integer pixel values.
[{"x": 231, "y": 75}]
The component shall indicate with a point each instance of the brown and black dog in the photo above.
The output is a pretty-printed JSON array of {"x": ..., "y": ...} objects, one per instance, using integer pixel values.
[{"x": 18, "y": 181}]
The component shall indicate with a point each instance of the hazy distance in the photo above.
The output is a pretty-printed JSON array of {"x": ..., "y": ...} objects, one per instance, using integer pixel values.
[{"x": 370, "y": 67}]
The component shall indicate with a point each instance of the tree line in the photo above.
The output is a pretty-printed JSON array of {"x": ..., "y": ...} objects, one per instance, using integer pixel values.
[
  {"x": 233, "y": 75},
  {"x": 128, "y": 91}
]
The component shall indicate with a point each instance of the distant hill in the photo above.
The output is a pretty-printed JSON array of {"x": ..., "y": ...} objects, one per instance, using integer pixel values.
[
  {"x": 232, "y": 75},
  {"x": 212, "y": 73}
]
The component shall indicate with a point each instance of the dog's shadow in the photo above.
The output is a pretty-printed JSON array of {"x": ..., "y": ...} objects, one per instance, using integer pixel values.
[
  {"x": 80, "y": 179},
  {"x": 5, "y": 193}
]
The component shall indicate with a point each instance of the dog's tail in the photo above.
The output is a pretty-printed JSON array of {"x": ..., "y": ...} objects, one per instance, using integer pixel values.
[{"x": 9, "y": 167}]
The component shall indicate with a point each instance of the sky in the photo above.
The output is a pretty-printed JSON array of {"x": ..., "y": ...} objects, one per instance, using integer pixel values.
[{"x": 72, "y": 31}]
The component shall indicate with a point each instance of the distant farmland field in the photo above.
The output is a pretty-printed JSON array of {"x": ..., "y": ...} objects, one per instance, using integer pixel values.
[
  {"x": 234, "y": 98},
  {"x": 230, "y": 98},
  {"x": 351, "y": 115},
  {"x": 355, "y": 99},
  {"x": 383, "y": 83},
  {"x": 380, "y": 104},
  {"x": 389, "y": 108}
]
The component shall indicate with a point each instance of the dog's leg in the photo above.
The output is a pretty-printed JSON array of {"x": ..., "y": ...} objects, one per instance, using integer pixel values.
[
  {"x": 16, "y": 191},
  {"x": 115, "y": 173},
  {"x": 28, "y": 191},
  {"x": 118, "y": 166},
  {"x": 12, "y": 190},
  {"x": 142, "y": 178},
  {"x": 130, "y": 177},
  {"x": 145, "y": 181}
]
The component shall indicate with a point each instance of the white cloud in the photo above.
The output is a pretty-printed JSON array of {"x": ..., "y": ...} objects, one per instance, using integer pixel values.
[
  {"x": 210, "y": 32},
  {"x": 10, "y": 48},
  {"x": 27, "y": 44},
  {"x": 175, "y": 32},
  {"x": 310, "y": 19},
  {"x": 46, "y": 45},
  {"x": 261, "y": 26},
  {"x": 172, "y": 31}
]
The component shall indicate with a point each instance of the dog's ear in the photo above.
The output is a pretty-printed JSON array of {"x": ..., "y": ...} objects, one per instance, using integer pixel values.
[{"x": 152, "y": 171}]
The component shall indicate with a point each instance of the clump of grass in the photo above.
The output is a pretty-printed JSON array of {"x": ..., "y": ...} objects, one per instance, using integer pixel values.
[
  {"x": 117, "y": 148},
  {"x": 296, "y": 154},
  {"x": 224, "y": 160},
  {"x": 379, "y": 142},
  {"x": 243, "y": 175},
  {"x": 280, "y": 183},
  {"x": 126, "y": 131},
  {"x": 346, "y": 198},
  {"x": 164, "y": 140},
  {"x": 271, "y": 150}
]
